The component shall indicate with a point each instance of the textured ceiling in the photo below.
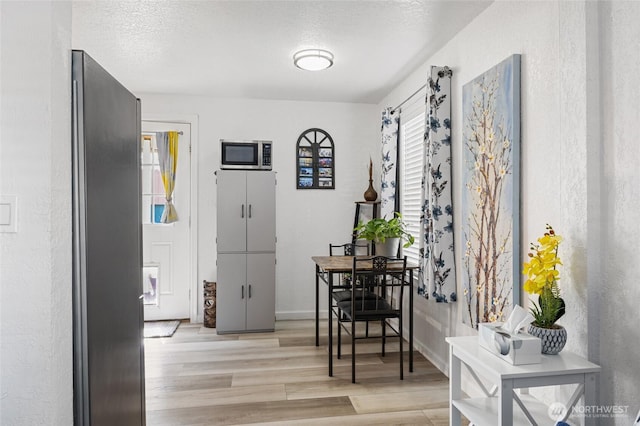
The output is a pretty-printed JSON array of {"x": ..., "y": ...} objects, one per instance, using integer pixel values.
[{"x": 245, "y": 48}]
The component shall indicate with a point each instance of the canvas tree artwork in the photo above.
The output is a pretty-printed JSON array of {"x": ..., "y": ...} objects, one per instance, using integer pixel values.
[{"x": 490, "y": 197}]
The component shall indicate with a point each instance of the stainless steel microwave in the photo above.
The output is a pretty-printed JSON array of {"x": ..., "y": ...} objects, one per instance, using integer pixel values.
[{"x": 245, "y": 155}]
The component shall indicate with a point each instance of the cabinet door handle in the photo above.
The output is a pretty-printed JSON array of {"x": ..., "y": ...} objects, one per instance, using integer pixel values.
[
  {"x": 249, "y": 291},
  {"x": 249, "y": 211},
  {"x": 243, "y": 292},
  {"x": 242, "y": 212}
]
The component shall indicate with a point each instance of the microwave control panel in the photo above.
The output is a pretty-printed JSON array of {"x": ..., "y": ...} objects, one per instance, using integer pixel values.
[{"x": 266, "y": 154}]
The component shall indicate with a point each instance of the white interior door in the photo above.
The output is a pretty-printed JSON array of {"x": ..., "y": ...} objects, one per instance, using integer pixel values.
[{"x": 166, "y": 247}]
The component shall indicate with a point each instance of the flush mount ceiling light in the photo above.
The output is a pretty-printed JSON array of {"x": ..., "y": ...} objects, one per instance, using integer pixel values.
[{"x": 313, "y": 59}]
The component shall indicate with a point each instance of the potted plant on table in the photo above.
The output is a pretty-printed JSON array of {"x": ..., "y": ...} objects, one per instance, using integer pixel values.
[
  {"x": 542, "y": 279},
  {"x": 385, "y": 234}
]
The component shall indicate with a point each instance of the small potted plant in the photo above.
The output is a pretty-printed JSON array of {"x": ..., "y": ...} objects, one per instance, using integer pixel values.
[
  {"x": 542, "y": 279},
  {"x": 385, "y": 234}
]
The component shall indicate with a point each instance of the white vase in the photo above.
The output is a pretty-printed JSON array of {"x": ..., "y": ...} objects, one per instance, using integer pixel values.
[{"x": 389, "y": 248}]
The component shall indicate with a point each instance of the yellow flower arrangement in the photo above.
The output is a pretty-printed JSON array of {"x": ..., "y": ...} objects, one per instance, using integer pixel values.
[{"x": 542, "y": 278}]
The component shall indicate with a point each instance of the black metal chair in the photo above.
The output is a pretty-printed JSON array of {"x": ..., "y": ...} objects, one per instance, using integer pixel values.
[
  {"x": 376, "y": 295},
  {"x": 342, "y": 291},
  {"x": 349, "y": 249}
]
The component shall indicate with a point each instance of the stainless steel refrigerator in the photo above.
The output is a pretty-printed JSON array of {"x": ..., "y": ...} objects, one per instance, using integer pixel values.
[{"x": 107, "y": 234}]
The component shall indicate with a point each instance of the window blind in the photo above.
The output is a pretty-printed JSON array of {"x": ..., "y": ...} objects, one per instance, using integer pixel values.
[{"x": 412, "y": 161}]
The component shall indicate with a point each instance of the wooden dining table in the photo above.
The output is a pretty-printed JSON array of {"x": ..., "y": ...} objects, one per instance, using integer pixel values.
[{"x": 329, "y": 266}]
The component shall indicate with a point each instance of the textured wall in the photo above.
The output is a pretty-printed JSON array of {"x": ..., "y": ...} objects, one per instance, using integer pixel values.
[
  {"x": 579, "y": 170},
  {"x": 35, "y": 283},
  {"x": 569, "y": 197},
  {"x": 619, "y": 339},
  {"x": 307, "y": 220}
]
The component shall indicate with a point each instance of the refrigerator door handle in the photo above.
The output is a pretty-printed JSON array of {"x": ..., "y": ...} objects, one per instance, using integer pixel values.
[{"x": 242, "y": 212}]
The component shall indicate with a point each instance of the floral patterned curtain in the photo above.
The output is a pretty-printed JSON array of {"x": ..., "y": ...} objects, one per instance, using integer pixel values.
[
  {"x": 167, "y": 143},
  {"x": 437, "y": 271},
  {"x": 389, "y": 185}
]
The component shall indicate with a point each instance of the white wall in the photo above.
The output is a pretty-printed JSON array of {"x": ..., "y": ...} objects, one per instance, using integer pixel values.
[
  {"x": 307, "y": 220},
  {"x": 35, "y": 282},
  {"x": 579, "y": 162},
  {"x": 617, "y": 315}
]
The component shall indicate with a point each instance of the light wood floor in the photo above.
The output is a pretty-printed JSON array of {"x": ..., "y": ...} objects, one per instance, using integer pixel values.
[{"x": 199, "y": 378}]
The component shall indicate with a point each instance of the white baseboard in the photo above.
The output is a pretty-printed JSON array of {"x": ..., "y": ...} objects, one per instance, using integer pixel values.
[{"x": 434, "y": 359}]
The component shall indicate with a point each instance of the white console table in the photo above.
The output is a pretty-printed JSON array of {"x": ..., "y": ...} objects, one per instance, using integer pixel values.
[{"x": 496, "y": 407}]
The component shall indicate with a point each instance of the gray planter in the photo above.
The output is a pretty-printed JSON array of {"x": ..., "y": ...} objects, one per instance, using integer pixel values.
[
  {"x": 389, "y": 248},
  {"x": 552, "y": 339}
]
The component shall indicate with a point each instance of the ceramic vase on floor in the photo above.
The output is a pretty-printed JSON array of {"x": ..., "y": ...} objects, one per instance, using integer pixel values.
[{"x": 552, "y": 339}]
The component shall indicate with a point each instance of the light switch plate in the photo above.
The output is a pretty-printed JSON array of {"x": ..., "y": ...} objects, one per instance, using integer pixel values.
[{"x": 8, "y": 213}]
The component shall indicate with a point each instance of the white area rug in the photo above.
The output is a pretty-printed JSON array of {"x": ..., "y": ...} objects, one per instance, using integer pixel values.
[{"x": 160, "y": 328}]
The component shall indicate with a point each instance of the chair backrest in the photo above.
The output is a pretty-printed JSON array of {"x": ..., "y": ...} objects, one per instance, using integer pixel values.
[
  {"x": 382, "y": 276},
  {"x": 348, "y": 249}
]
